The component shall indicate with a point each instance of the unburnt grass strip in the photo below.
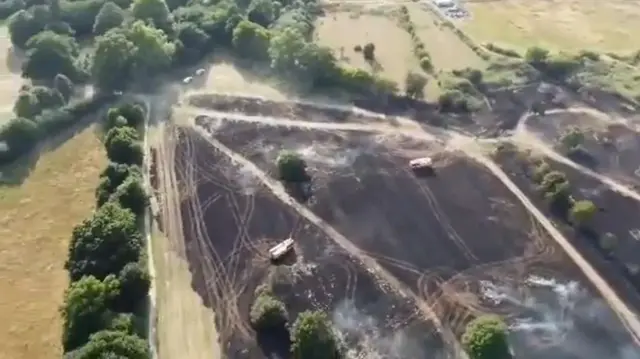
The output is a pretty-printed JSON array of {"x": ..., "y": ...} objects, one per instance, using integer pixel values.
[{"x": 457, "y": 237}]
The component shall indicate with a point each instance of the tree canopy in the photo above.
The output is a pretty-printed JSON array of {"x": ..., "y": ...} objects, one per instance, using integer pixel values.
[
  {"x": 110, "y": 344},
  {"x": 86, "y": 309},
  {"x": 104, "y": 244},
  {"x": 486, "y": 338},
  {"x": 49, "y": 54},
  {"x": 291, "y": 167},
  {"x": 109, "y": 17},
  {"x": 268, "y": 312},
  {"x": 313, "y": 338}
]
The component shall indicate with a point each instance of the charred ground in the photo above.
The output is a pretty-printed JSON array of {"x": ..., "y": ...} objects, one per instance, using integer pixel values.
[{"x": 457, "y": 239}]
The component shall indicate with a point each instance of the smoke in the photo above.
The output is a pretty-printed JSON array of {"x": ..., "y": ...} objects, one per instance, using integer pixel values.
[
  {"x": 364, "y": 338},
  {"x": 560, "y": 318}
]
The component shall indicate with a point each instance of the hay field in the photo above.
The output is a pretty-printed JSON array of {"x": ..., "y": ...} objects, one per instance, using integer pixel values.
[
  {"x": 36, "y": 221},
  {"x": 557, "y": 24},
  {"x": 393, "y": 51},
  {"x": 447, "y": 51}
]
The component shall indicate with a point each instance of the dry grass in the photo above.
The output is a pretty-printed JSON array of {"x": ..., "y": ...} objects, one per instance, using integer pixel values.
[
  {"x": 557, "y": 24},
  {"x": 393, "y": 52},
  {"x": 36, "y": 224},
  {"x": 447, "y": 51},
  {"x": 10, "y": 79}
]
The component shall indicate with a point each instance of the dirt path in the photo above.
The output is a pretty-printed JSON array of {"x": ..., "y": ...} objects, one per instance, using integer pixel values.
[
  {"x": 185, "y": 326},
  {"x": 523, "y": 137},
  {"x": 405, "y": 127},
  {"x": 278, "y": 190},
  {"x": 626, "y": 315}
]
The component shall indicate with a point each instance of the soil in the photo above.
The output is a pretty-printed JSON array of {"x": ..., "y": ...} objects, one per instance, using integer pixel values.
[
  {"x": 616, "y": 217},
  {"x": 610, "y": 146},
  {"x": 463, "y": 245}
]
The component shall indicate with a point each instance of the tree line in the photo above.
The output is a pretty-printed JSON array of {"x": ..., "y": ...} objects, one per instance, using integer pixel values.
[{"x": 104, "y": 310}]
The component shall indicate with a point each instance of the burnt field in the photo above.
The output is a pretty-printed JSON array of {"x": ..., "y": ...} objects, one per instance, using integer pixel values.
[
  {"x": 457, "y": 239},
  {"x": 608, "y": 147},
  {"x": 610, "y": 240}
]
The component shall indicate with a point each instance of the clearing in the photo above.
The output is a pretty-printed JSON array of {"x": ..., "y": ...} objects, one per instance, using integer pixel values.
[
  {"x": 38, "y": 216},
  {"x": 342, "y": 31},
  {"x": 556, "y": 24}
]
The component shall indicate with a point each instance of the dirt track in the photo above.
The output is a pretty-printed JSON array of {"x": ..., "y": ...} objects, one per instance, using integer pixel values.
[
  {"x": 418, "y": 270},
  {"x": 453, "y": 227}
]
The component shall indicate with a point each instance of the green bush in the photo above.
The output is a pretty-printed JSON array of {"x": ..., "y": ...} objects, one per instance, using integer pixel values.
[
  {"x": 501, "y": 50},
  {"x": 110, "y": 344},
  {"x": 112, "y": 177},
  {"x": 267, "y": 312},
  {"x": 453, "y": 101},
  {"x": 86, "y": 309},
  {"x": 135, "y": 283},
  {"x": 291, "y": 167},
  {"x": 583, "y": 211},
  {"x": 104, "y": 244},
  {"x": 486, "y": 338},
  {"x": 312, "y": 337},
  {"x": 132, "y": 195},
  {"x": 123, "y": 146}
]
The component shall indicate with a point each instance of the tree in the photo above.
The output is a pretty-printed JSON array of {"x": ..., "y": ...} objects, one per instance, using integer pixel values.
[
  {"x": 414, "y": 85},
  {"x": 64, "y": 85},
  {"x": 132, "y": 195},
  {"x": 104, "y": 244},
  {"x": 263, "y": 12},
  {"x": 583, "y": 211},
  {"x": 17, "y": 137},
  {"x": 49, "y": 54},
  {"x": 154, "y": 52},
  {"x": 251, "y": 40},
  {"x": 368, "y": 51},
  {"x": 26, "y": 105},
  {"x": 109, "y": 17},
  {"x": 536, "y": 56},
  {"x": 193, "y": 42},
  {"x": 291, "y": 167},
  {"x": 312, "y": 337},
  {"x": 113, "y": 55},
  {"x": 23, "y": 25},
  {"x": 123, "y": 146},
  {"x": 154, "y": 11},
  {"x": 134, "y": 287},
  {"x": 572, "y": 138},
  {"x": 109, "y": 344},
  {"x": 112, "y": 177},
  {"x": 86, "y": 309},
  {"x": 267, "y": 312},
  {"x": 486, "y": 338}
]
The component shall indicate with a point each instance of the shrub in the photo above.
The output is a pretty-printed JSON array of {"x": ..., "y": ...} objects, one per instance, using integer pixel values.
[
  {"x": 113, "y": 344},
  {"x": 572, "y": 138},
  {"x": 453, "y": 101},
  {"x": 583, "y": 211},
  {"x": 368, "y": 51},
  {"x": 123, "y": 146},
  {"x": 291, "y": 167},
  {"x": 312, "y": 337},
  {"x": 486, "y": 338},
  {"x": 86, "y": 309},
  {"x": 112, "y": 177},
  {"x": 132, "y": 195},
  {"x": 104, "y": 244},
  {"x": 267, "y": 312},
  {"x": 134, "y": 287},
  {"x": 18, "y": 136},
  {"x": 501, "y": 50},
  {"x": 414, "y": 85}
]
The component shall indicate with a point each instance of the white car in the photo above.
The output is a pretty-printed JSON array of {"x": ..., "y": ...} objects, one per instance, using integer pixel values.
[
  {"x": 187, "y": 80},
  {"x": 418, "y": 163},
  {"x": 282, "y": 248},
  {"x": 199, "y": 72}
]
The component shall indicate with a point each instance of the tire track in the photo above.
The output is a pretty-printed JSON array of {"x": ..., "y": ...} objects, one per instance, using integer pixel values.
[
  {"x": 342, "y": 241},
  {"x": 441, "y": 217}
]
